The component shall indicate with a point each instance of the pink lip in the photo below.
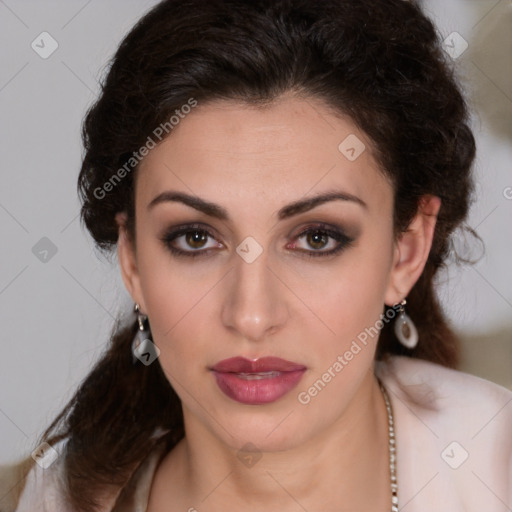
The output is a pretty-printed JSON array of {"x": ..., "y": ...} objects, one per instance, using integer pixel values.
[{"x": 243, "y": 380}]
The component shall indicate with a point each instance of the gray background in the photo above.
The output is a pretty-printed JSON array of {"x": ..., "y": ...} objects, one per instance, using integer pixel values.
[{"x": 57, "y": 309}]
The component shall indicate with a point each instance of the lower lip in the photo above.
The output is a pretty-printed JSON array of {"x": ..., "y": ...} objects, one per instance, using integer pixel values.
[{"x": 257, "y": 391}]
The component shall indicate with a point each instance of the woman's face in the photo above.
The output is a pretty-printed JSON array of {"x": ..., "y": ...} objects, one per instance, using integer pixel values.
[{"x": 257, "y": 269}]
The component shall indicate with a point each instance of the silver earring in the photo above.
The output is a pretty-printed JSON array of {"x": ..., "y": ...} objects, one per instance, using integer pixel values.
[
  {"x": 405, "y": 329},
  {"x": 142, "y": 333}
]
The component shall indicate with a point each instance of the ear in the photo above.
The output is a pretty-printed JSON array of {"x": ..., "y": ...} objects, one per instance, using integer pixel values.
[
  {"x": 412, "y": 250},
  {"x": 128, "y": 262}
]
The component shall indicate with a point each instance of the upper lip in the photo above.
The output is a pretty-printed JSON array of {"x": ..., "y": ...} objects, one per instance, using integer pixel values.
[{"x": 263, "y": 364}]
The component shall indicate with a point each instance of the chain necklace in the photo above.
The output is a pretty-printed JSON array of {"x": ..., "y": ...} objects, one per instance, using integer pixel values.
[{"x": 392, "y": 450}]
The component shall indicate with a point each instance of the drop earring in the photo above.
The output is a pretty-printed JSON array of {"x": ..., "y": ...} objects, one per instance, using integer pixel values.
[
  {"x": 142, "y": 333},
  {"x": 405, "y": 329}
]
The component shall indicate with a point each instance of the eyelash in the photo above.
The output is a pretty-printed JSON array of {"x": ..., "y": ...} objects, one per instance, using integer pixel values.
[{"x": 343, "y": 240}]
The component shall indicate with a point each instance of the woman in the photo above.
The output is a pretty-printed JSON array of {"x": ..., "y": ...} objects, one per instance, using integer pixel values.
[{"x": 281, "y": 180}]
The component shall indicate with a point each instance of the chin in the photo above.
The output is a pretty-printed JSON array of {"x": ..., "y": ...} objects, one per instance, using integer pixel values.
[{"x": 261, "y": 428}]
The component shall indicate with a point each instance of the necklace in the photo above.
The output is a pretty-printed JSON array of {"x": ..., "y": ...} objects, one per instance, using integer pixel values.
[{"x": 392, "y": 450}]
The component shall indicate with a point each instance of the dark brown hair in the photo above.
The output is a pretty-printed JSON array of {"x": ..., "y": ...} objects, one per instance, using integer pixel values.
[{"x": 381, "y": 63}]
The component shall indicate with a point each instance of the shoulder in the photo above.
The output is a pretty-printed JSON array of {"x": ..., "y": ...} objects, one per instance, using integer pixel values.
[
  {"x": 12, "y": 482},
  {"x": 454, "y": 431},
  {"x": 34, "y": 484},
  {"x": 40, "y": 484},
  {"x": 437, "y": 388},
  {"x": 450, "y": 399}
]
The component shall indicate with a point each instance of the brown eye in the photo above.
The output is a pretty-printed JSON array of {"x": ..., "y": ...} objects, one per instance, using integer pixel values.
[
  {"x": 321, "y": 240},
  {"x": 190, "y": 241},
  {"x": 317, "y": 239},
  {"x": 196, "y": 239}
]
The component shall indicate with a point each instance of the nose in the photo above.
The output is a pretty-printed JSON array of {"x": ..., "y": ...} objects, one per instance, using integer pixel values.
[{"x": 255, "y": 303}]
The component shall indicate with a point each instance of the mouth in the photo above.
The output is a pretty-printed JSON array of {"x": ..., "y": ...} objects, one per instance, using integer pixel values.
[
  {"x": 258, "y": 376},
  {"x": 257, "y": 382}
]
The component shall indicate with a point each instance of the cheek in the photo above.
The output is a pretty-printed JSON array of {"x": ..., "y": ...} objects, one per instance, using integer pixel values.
[
  {"x": 351, "y": 305},
  {"x": 177, "y": 327},
  {"x": 182, "y": 301},
  {"x": 171, "y": 287},
  {"x": 351, "y": 297}
]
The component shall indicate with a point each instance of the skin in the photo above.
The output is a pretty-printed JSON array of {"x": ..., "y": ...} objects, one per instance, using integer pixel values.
[{"x": 331, "y": 454}]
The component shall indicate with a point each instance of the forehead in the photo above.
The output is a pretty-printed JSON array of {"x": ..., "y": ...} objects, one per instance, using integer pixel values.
[{"x": 255, "y": 155}]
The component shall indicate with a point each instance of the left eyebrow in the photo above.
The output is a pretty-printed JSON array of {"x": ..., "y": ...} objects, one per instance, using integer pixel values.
[
  {"x": 217, "y": 211},
  {"x": 308, "y": 204}
]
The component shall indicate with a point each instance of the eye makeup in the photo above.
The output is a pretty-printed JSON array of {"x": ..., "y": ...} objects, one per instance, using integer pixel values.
[{"x": 195, "y": 240}]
